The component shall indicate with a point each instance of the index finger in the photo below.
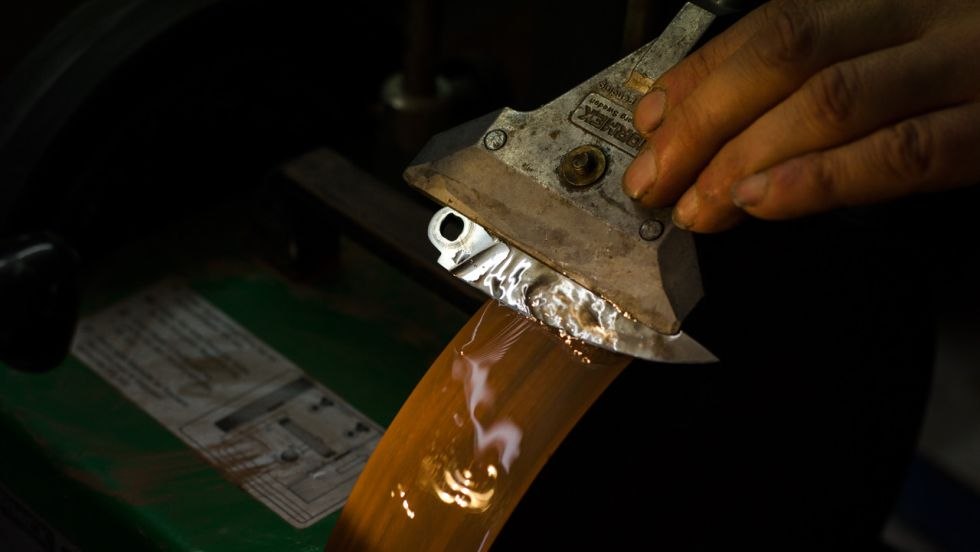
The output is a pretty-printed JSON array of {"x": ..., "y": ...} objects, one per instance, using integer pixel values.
[
  {"x": 795, "y": 40},
  {"x": 684, "y": 77}
]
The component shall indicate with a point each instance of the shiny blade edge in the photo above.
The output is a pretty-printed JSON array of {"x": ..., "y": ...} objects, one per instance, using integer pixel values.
[{"x": 534, "y": 289}]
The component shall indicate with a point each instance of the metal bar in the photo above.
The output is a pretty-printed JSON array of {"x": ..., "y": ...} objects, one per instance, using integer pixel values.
[{"x": 381, "y": 215}]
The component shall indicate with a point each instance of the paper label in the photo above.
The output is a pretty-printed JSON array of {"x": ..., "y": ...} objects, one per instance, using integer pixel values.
[{"x": 286, "y": 439}]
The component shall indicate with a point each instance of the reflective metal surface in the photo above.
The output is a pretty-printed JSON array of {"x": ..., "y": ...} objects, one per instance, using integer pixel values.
[
  {"x": 530, "y": 287},
  {"x": 517, "y": 174}
]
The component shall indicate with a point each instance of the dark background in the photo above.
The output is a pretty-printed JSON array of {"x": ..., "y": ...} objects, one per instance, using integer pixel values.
[{"x": 799, "y": 440}]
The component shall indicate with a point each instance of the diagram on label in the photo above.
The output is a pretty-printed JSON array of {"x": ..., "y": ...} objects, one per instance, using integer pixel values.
[{"x": 289, "y": 441}]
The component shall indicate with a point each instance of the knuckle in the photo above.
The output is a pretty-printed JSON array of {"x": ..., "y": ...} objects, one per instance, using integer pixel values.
[
  {"x": 832, "y": 95},
  {"x": 734, "y": 161},
  {"x": 687, "y": 127},
  {"x": 712, "y": 194},
  {"x": 822, "y": 178},
  {"x": 791, "y": 32},
  {"x": 700, "y": 64},
  {"x": 908, "y": 150}
]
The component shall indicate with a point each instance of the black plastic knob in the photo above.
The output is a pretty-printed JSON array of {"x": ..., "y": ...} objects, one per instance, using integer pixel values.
[{"x": 38, "y": 301}]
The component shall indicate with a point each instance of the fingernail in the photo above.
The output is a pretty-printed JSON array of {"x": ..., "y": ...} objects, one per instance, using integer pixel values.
[
  {"x": 649, "y": 111},
  {"x": 686, "y": 210},
  {"x": 751, "y": 191},
  {"x": 641, "y": 174}
]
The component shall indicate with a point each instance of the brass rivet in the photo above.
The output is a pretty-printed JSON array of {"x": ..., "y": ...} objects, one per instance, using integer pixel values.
[{"x": 582, "y": 166}]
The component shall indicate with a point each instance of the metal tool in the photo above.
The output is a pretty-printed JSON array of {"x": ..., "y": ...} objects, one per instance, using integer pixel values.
[
  {"x": 547, "y": 228},
  {"x": 532, "y": 288}
]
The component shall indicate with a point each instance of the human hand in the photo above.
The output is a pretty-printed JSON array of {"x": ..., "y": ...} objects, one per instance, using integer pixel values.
[{"x": 802, "y": 107}]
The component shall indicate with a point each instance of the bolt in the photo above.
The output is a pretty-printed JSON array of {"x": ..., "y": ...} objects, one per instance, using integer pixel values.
[
  {"x": 582, "y": 166},
  {"x": 651, "y": 229},
  {"x": 581, "y": 162},
  {"x": 495, "y": 139}
]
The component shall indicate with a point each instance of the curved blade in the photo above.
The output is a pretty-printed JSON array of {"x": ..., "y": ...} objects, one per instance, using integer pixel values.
[{"x": 532, "y": 288}]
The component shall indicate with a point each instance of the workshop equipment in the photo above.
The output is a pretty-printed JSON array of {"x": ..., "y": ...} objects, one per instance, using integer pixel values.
[
  {"x": 737, "y": 443},
  {"x": 565, "y": 244},
  {"x": 93, "y": 459},
  {"x": 501, "y": 397},
  {"x": 471, "y": 438}
]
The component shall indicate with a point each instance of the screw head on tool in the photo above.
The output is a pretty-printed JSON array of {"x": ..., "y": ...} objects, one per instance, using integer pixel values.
[
  {"x": 581, "y": 162},
  {"x": 495, "y": 139},
  {"x": 651, "y": 229},
  {"x": 582, "y": 166}
]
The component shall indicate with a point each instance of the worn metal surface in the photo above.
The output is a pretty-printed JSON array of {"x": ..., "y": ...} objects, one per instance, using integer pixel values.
[
  {"x": 591, "y": 235},
  {"x": 528, "y": 286}
]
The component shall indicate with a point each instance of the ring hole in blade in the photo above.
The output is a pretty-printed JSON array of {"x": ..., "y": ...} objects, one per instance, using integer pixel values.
[{"x": 451, "y": 227}]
